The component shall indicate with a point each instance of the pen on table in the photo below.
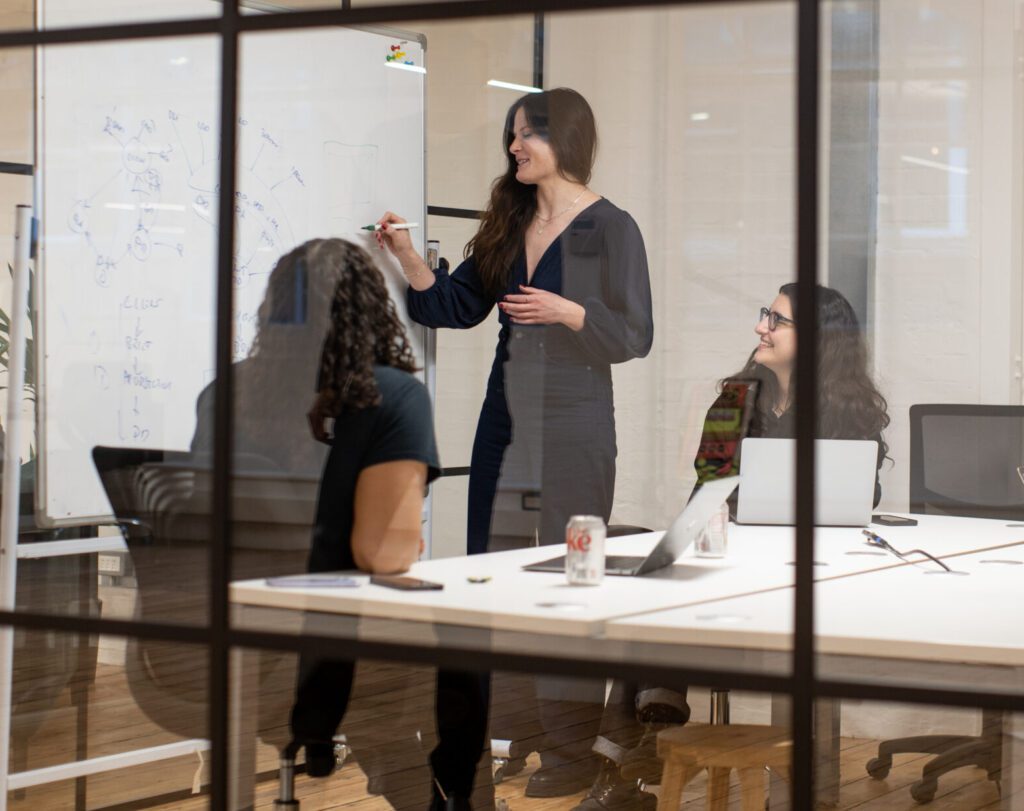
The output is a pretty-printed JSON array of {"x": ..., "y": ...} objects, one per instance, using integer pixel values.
[{"x": 392, "y": 226}]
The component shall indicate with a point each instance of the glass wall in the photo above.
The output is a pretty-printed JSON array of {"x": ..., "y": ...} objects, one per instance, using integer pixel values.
[{"x": 248, "y": 402}]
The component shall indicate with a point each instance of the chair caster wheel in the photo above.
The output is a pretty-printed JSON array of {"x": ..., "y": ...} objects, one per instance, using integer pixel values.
[
  {"x": 878, "y": 768},
  {"x": 923, "y": 791}
]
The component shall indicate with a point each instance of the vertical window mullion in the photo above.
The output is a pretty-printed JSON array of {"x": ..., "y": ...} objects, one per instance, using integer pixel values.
[
  {"x": 220, "y": 549},
  {"x": 804, "y": 688}
]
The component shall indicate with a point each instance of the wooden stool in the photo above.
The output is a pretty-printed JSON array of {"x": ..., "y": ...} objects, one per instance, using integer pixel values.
[{"x": 688, "y": 750}]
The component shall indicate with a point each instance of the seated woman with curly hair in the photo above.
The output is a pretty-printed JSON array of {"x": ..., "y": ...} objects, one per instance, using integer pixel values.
[{"x": 382, "y": 455}]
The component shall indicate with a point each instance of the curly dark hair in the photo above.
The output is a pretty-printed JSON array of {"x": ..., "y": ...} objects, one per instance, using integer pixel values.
[
  {"x": 561, "y": 117},
  {"x": 363, "y": 330},
  {"x": 849, "y": 404}
]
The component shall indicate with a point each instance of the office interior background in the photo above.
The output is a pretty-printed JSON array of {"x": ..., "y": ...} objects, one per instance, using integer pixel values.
[{"x": 919, "y": 208}]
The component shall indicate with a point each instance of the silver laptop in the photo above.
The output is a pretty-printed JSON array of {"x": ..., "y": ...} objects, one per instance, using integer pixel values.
[
  {"x": 844, "y": 482},
  {"x": 674, "y": 542}
]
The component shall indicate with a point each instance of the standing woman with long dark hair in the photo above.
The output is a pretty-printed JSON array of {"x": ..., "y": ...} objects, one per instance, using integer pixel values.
[{"x": 567, "y": 270}]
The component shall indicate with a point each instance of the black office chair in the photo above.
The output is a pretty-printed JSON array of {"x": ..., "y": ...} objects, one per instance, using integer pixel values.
[
  {"x": 162, "y": 501},
  {"x": 964, "y": 460}
]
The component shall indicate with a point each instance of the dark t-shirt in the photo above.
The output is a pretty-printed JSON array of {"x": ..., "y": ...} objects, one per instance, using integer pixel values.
[{"x": 400, "y": 428}]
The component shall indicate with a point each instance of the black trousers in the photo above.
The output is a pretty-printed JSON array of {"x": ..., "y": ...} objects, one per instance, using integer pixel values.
[{"x": 322, "y": 697}]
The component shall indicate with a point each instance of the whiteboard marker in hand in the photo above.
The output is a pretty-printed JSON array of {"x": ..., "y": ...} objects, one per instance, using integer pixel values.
[{"x": 392, "y": 226}]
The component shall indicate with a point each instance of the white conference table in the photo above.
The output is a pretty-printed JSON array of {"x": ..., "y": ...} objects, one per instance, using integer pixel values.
[
  {"x": 911, "y": 626},
  {"x": 759, "y": 559},
  {"x": 973, "y": 617},
  {"x": 662, "y": 618}
]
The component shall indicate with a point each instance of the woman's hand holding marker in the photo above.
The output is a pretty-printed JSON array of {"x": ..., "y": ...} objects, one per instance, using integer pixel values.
[
  {"x": 397, "y": 240},
  {"x": 393, "y": 232}
]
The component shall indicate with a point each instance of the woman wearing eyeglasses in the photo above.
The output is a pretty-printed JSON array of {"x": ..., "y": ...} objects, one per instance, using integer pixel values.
[
  {"x": 849, "y": 404},
  {"x": 757, "y": 402},
  {"x": 761, "y": 393}
]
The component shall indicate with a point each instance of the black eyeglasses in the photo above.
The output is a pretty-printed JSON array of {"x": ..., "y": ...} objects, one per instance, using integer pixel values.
[
  {"x": 774, "y": 319},
  {"x": 880, "y": 542}
]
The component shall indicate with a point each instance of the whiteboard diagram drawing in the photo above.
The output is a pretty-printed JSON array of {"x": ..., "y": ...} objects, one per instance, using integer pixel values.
[{"x": 130, "y": 170}]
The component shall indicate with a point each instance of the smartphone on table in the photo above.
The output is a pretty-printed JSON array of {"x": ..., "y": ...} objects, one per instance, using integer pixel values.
[
  {"x": 404, "y": 583},
  {"x": 893, "y": 520}
]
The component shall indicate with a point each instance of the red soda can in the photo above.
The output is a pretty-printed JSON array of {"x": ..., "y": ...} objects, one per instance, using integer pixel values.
[{"x": 584, "y": 555}]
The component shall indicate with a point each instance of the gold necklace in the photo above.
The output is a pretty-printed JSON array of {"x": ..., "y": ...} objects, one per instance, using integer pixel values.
[{"x": 547, "y": 220}]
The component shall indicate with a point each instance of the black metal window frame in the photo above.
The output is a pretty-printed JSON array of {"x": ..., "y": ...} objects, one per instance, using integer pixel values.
[{"x": 802, "y": 684}]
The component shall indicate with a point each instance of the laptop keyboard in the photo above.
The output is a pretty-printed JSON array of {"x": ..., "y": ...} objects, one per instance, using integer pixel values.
[
  {"x": 612, "y": 563},
  {"x": 622, "y": 562}
]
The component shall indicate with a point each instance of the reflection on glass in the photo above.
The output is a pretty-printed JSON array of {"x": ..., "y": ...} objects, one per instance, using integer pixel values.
[{"x": 95, "y": 702}]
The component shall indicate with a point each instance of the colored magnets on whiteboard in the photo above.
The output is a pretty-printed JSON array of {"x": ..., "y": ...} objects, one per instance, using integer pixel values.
[{"x": 397, "y": 53}]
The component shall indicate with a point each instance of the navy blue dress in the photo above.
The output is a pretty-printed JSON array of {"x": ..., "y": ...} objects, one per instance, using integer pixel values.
[{"x": 547, "y": 423}]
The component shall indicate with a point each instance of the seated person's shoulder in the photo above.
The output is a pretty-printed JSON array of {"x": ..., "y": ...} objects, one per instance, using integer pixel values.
[
  {"x": 404, "y": 401},
  {"x": 404, "y": 427},
  {"x": 396, "y": 385}
]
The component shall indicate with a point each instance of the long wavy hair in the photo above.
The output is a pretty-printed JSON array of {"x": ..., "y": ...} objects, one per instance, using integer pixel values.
[
  {"x": 849, "y": 404},
  {"x": 561, "y": 117},
  {"x": 363, "y": 328}
]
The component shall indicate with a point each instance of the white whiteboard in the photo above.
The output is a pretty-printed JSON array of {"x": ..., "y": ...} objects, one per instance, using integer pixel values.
[{"x": 330, "y": 136}]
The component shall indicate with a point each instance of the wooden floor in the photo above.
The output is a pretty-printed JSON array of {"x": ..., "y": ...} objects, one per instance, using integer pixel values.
[{"x": 45, "y": 735}]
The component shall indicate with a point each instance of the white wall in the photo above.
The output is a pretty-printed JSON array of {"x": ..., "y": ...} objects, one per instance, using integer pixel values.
[{"x": 947, "y": 289}]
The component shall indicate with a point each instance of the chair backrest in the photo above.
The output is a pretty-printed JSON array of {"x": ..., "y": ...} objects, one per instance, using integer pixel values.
[
  {"x": 964, "y": 460},
  {"x": 163, "y": 501}
]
